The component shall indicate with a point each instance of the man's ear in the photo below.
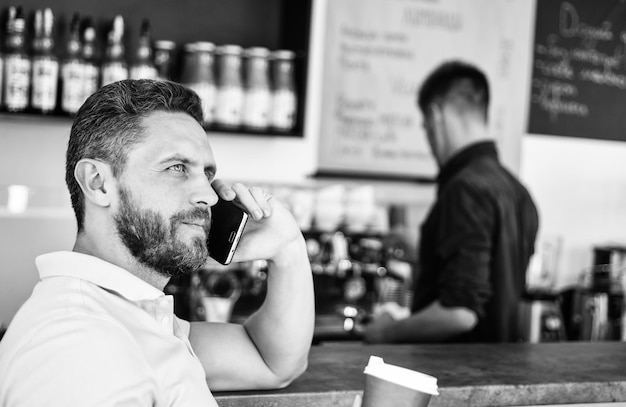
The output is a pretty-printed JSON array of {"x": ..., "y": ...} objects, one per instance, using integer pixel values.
[{"x": 95, "y": 179}]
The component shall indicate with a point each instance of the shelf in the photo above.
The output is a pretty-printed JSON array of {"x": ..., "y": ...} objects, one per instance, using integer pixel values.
[
  {"x": 274, "y": 24},
  {"x": 34, "y": 117},
  {"x": 30, "y": 118}
]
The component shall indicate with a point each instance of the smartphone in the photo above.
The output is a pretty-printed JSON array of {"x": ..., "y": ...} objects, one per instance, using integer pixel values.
[{"x": 227, "y": 224}]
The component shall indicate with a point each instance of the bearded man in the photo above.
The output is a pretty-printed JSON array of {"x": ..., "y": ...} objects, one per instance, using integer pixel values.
[{"x": 98, "y": 329}]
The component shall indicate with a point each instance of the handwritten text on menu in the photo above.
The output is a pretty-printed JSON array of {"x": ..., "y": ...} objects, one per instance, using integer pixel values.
[
  {"x": 579, "y": 69},
  {"x": 376, "y": 54}
]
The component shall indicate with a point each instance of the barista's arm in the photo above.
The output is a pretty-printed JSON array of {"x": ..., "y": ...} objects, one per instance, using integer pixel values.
[{"x": 432, "y": 324}]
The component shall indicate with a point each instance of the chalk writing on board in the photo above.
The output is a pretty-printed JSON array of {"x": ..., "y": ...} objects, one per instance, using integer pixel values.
[{"x": 579, "y": 68}]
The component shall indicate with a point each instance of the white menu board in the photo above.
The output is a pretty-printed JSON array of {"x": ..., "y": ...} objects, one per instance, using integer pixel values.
[{"x": 374, "y": 56}]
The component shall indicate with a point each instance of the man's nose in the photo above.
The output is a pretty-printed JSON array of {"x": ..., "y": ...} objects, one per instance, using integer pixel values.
[{"x": 203, "y": 193}]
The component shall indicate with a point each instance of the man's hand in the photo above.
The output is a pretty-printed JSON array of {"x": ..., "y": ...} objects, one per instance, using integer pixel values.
[
  {"x": 271, "y": 348},
  {"x": 435, "y": 323},
  {"x": 270, "y": 228}
]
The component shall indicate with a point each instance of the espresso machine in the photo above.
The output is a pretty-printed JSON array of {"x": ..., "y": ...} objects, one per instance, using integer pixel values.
[
  {"x": 599, "y": 308},
  {"x": 540, "y": 309}
]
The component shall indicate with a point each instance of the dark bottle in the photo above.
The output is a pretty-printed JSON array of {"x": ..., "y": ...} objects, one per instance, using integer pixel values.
[
  {"x": 1, "y": 77},
  {"x": 72, "y": 70},
  {"x": 284, "y": 95},
  {"x": 143, "y": 64},
  {"x": 229, "y": 96},
  {"x": 164, "y": 59},
  {"x": 45, "y": 64},
  {"x": 91, "y": 65},
  {"x": 17, "y": 63},
  {"x": 197, "y": 75},
  {"x": 257, "y": 96},
  {"x": 114, "y": 66}
]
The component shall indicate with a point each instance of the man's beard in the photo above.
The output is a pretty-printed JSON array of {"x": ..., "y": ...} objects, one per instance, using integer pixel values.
[{"x": 152, "y": 240}]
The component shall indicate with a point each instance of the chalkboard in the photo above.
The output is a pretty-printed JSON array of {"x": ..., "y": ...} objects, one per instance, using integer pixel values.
[
  {"x": 579, "y": 69},
  {"x": 375, "y": 55}
]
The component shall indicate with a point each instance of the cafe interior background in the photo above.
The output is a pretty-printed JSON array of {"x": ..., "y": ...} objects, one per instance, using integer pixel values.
[{"x": 577, "y": 180}]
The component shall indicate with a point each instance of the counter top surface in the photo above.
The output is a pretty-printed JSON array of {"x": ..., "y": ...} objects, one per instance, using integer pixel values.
[{"x": 468, "y": 375}]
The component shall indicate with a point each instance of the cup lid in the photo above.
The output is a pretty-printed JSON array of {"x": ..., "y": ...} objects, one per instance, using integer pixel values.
[{"x": 401, "y": 376}]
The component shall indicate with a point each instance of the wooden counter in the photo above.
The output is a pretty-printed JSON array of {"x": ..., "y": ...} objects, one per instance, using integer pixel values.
[{"x": 468, "y": 375}]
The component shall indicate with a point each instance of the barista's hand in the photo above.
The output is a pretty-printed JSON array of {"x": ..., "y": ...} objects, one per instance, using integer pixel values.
[
  {"x": 271, "y": 229},
  {"x": 376, "y": 331}
]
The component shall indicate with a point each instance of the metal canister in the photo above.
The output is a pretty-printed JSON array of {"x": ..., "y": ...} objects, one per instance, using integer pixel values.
[
  {"x": 229, "y": 103},
  {"x": 284, "y": 98},
  {"x": 198, "y": 75},
  {"x": 257, "y": 95},
  {"x": 164, "y": 59}
]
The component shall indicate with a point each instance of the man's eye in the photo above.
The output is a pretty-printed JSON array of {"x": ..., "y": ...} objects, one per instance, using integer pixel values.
[{"x": 178, "y": 168}]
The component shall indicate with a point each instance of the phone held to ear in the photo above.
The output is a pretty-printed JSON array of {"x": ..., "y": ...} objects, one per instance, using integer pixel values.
[{"x": 227, "y": 224}]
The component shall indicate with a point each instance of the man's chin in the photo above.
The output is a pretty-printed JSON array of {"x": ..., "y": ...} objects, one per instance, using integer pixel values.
[{"x": 186, "y": 257}]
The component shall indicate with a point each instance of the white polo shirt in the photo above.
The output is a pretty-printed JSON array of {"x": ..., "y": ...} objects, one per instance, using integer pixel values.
[{"x": 92, "y": 334}]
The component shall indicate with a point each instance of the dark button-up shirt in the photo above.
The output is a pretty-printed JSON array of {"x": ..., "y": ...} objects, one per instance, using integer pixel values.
[{"x": 476, "y": 243}]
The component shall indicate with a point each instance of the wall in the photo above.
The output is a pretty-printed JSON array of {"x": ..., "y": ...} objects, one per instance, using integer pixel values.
[
  {"x": 32, "y": 153},
  {"x": 578, "y": 184},
  {"x": 580, "y": 188}
]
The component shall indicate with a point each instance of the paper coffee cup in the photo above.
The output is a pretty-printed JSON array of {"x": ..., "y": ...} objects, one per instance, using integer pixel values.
[{"x": 389, "y": 385}]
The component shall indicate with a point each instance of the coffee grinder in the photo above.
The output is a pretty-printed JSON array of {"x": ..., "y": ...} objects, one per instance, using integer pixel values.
[
  {"x": 598, "y": 313},
  {"x": 540, "y": 316}
]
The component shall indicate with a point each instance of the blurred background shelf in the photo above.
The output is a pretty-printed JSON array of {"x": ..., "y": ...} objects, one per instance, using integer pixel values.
[{"x": 31, "y": 118}]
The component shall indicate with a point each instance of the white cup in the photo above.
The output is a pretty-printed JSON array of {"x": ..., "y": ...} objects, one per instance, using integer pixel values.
[{"x": 389, "y": 385}]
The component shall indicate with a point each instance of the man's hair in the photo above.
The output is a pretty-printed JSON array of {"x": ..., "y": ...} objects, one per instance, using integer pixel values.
[
  {"x": 456, "y": 81},
  {"x": 109, "y": 124}
]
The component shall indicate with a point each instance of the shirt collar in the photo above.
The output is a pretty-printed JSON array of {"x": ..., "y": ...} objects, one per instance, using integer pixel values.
[
  {"x": 462, "y": 158},
  {"x": 98, "y": 272}
]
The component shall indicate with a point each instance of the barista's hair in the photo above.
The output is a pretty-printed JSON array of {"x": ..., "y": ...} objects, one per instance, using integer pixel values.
[
  {"x": 109, "y": 124},
  {"x": 458, "y": 82}
]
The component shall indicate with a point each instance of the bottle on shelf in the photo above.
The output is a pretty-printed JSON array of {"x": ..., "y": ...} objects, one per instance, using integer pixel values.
[
  {"x": 17, "y": 64},
  {"x": 45, "y": 65},
  {"x": 6, "y": 31},
  {"x": 229, "y": 98},
  {"x": 284, "y": 98},
  {"x": 198, "y": 75},
  {"x": 164, "y": 59},
  {"x": 143, "y": 66},
  {"x": 2, "y": 75},
  {"x": 1, "y": 79},
  {"x": 114, "y": 66},
  {"x": 89, "y": 56},
  {"x": 257, "y": 97},
  {"x": 71, "y": 88}
]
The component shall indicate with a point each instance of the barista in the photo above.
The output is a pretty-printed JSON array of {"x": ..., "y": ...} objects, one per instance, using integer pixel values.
[{"x": 477, "y": 240}]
